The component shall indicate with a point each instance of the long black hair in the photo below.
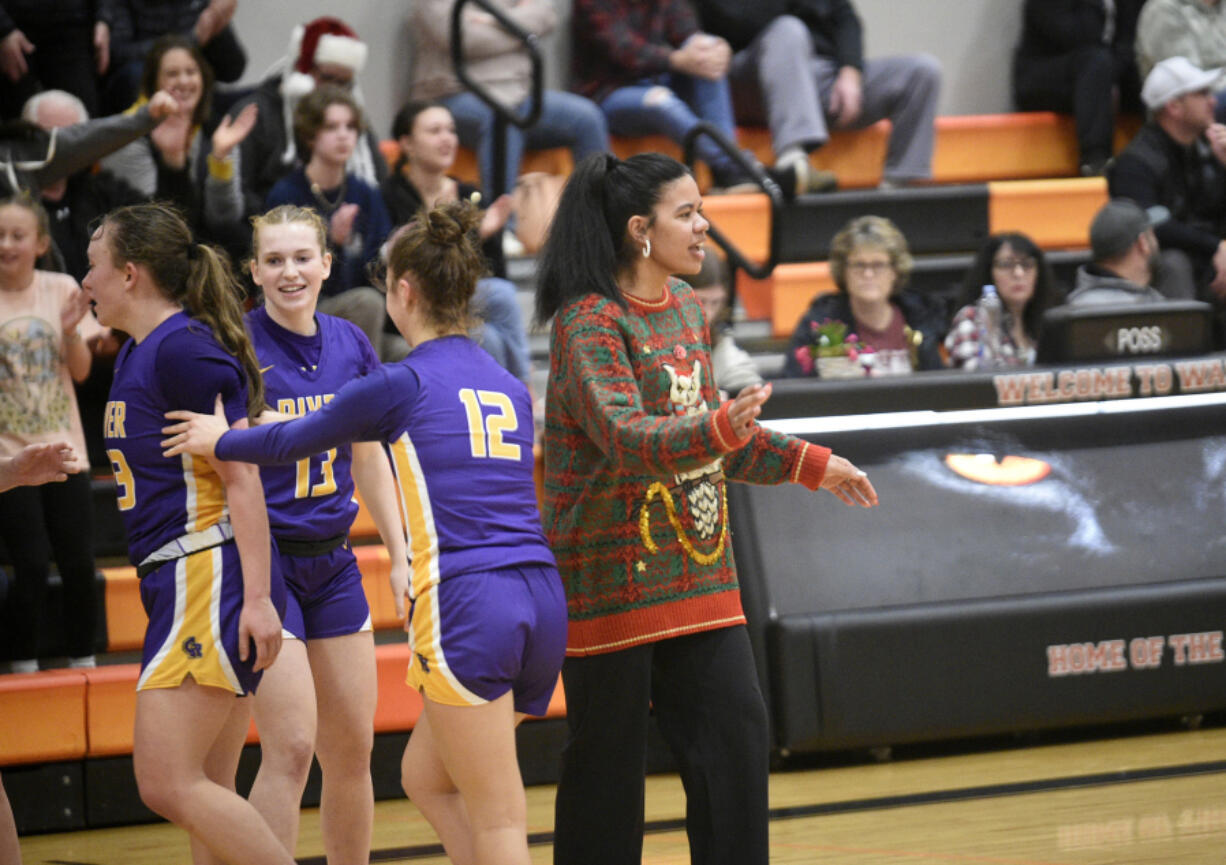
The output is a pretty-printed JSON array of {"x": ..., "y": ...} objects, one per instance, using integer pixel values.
[
  {"x": 1046, "y": 292},
  {"x": 587, "y": 246}
]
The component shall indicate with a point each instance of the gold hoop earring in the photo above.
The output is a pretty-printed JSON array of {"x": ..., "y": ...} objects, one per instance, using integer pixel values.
[{"x": 647, "y": 248}]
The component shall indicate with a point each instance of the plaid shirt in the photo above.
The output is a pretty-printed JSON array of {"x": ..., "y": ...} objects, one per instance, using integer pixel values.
[
  {"x": 967, "y": 352},
  {"x": 619, "y": 42}
]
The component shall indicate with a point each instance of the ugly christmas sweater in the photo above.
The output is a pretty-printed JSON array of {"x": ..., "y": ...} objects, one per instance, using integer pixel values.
[{"x": 637, "y": 448}]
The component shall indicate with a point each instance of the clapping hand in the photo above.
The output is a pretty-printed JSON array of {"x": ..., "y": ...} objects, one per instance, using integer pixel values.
[
  {"x": 340, "y": 226},
  {"x": 232, "y": 132}
]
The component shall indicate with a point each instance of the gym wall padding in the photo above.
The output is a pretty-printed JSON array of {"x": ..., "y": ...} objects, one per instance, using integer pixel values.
[{"x": 963, "y": 607}]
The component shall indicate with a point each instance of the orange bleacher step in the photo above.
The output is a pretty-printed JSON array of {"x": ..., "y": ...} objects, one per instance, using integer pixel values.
[
  {"x": 92, "y": 713},
  {"x": 971, "y": 148},
  {"x": 1055, "y": 213},
  {"x": 42, "y": 716}
]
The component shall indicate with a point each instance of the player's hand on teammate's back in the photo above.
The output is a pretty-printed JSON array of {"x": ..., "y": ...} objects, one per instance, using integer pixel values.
[{"x": 195, "y": 434}]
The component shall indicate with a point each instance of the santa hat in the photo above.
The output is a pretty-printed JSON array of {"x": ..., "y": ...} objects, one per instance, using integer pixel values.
[
  {"x": 324, "y": 40},
  {"x": 327, "y": 40}
]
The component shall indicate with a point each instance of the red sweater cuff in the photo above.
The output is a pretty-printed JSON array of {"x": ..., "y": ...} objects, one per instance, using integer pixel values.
[
  {"x": 811, "y": 467},
  {"x": 724, "y": 433}
]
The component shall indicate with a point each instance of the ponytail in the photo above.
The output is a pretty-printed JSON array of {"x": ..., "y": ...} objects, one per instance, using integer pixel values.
[
  {"x": 212, "y": 295},
  {"x": 195, "y": 276},
  {"x": 588, "y": 245}
]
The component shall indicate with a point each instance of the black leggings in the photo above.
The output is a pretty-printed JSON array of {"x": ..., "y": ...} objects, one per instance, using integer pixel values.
[
  {"x": 34, "y": 523},
  {"x": 704, "y": 691}
]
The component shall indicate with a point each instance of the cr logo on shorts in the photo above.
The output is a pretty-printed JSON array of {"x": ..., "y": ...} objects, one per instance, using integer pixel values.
[
  {"x": 425, "y": 665},
  {"x": 193, "y": 648}
]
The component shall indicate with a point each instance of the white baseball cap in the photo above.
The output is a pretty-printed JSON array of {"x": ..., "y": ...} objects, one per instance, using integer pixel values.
[{"x": 1175, "y": 77}]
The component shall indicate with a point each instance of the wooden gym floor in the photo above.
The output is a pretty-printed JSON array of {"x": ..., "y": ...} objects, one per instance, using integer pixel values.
[{"x": 1155, "y": 797}]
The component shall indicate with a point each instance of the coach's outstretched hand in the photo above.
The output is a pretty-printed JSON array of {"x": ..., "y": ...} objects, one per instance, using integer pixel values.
[
  {"x": 195, "y": 434},
  {"x": 851, "y": 485}
]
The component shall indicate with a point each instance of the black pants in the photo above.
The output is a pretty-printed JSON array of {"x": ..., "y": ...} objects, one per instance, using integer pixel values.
[
  {"x": 1081, "y": 83},
  {"x": 34, "y": 523},
  {"x": 705, "y": 694}
]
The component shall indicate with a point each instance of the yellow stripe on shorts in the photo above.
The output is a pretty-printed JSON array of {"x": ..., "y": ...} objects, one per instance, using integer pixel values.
[
  {"x": 428, "y": 670},
  {"x": 193, "y": 646}
]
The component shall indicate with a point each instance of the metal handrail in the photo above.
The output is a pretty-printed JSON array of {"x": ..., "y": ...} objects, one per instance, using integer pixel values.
[
  {"x": 503, "y": 114},
  {"x": 754, "y": 170}
]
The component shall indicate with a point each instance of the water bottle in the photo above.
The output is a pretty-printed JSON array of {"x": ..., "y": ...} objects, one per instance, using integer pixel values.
[{"x": 987, "y": 320}]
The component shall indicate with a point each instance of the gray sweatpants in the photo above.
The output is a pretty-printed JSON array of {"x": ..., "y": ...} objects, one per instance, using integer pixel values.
[{"x": 779, "y": 82}]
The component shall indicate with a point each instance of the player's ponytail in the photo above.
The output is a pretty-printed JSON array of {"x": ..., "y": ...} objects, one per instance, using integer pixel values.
[
  {"x": 212, "y": 294},
  {"x": 196, "y": 276}
]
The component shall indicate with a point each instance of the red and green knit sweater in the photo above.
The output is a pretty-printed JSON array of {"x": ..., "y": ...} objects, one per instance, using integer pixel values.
[{"x": 636, "y": 450}]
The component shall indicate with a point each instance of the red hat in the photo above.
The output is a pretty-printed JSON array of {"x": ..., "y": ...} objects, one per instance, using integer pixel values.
[{"x": 328, "y": 40}]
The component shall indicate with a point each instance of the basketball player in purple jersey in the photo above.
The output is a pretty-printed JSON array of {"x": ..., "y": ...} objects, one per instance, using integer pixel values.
[
  {"x": 197, "y": 529},
  {"x": 488, "y": 621},
  {"x": 320, "y": 697}
]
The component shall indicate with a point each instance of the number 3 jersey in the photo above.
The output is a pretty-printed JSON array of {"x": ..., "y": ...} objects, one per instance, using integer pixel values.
[
  {"x": 459, "y": 429},
  {"x": 311, "y": 498},
  {"x": 179, "y": 365}
]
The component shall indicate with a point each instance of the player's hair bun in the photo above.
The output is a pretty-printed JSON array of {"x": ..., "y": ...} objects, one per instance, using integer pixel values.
[{"x": 450, "y": 223}]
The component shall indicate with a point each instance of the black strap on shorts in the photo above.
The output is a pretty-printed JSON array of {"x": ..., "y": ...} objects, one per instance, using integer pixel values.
[
  {"x": 304, "y": 549},
  {"x": 146, "y": 568}
]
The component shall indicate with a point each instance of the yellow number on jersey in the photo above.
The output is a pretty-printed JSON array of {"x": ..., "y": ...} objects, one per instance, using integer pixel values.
[
  {"x": 327, "y": 484},
  {"x": 486, "y": 431},
  {"x": 123, "y": 478}
]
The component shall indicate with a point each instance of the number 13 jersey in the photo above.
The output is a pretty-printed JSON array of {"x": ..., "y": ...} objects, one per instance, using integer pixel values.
[{"x": 459, "y": 431}]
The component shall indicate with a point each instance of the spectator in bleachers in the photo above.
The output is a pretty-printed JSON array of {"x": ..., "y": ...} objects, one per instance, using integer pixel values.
[
  {"x": 498, "y": 62},
  {"x": 74, "y": 202},
  {"x": 73, "y": 205},
  {"x": 1195, "y": 29},
  {"x": 168, "y": 163},
  {"x": 731, "y": 365},
  {"x": 328, "y": 123},
  {"x": 45, "y": 324},
  {"x": 1126, "y": 254},
  {"x": 31, "y": 157},
  {"x": 428, "y": 138},
  {"x": 323, "y": 51},
  {"x": 1077, "y": 57},
  {"x": 1017, "y": 267},
  {"x": 43, "y": 45},
  {"x": 886, "y": 329},
  {"x": 800, "y": 68},
  {"x": 1178, "y": 160},
  {"x": 134, "y": 25},
  {"x": 652, "y": 71},
  {"x": 426, "y": 134},
  {"x": 33, "y": 464}
]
